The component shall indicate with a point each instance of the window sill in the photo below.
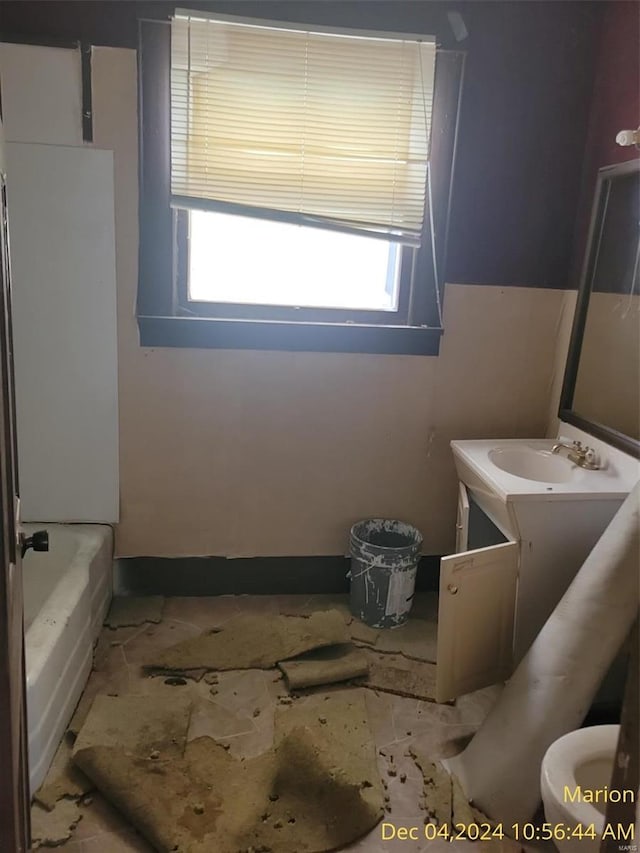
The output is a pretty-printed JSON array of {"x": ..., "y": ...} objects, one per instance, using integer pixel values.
[{"x": 216, "y": 333}]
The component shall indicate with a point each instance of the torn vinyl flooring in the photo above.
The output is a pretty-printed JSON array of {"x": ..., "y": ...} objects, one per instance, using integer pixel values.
[{"x": 239, "y": 710}]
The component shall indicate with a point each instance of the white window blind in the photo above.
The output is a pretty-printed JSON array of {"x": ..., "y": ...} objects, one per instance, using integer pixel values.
[{"x": 301, "y": 125}]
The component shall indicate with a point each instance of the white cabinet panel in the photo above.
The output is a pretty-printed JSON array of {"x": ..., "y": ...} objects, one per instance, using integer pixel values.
[
  {"x": 41, "y": 94},
  {"x": 475, "y": 619},
  {"x": 61, "y": 225}
]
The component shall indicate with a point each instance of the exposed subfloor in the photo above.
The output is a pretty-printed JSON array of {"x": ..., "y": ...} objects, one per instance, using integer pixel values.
[{"x": 239, "y": 710}]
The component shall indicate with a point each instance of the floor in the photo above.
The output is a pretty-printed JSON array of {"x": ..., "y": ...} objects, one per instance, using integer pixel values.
[{"x": 240, "y": 709}]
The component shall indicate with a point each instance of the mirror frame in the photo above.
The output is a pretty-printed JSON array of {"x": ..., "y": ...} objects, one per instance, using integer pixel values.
[{"x": 611, "y": 436}]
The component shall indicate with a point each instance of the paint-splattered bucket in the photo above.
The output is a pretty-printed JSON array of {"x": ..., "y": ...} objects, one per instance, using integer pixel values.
[{"x": 384, "y": 560}]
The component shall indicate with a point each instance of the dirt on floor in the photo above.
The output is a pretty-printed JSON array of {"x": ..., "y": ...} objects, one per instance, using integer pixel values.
[{"x": 316, "y": 787}]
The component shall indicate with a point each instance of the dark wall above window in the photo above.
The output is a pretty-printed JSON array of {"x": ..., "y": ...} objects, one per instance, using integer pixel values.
[
  {"x": 615, "y": 106},
  {"x": 524, "y": 118}
]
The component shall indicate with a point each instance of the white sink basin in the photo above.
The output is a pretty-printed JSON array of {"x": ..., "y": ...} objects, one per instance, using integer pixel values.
[
  {"x": 533, "y": 464},
  {"x": 526, "y": 469}
]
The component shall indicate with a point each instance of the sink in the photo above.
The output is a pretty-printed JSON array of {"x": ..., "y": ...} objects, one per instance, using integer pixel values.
[
  {"x": 533, "y": 464},
  {"x": 525, "y": 469}
]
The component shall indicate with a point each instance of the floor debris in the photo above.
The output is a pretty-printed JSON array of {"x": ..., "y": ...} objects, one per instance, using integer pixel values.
[
  {"x": 63, "y": 779},
  {"x": 399, "y": 675},
  {"x": 191, "y": 674},
  {"x": 254, "y": 642},
  {"x": 138, "y": 724},
  {"x": 287, "y": 806},
  {"x": 446, "y": 803},
  {"x": 324, "y": 666},
  {"x": 316, "y": 789},
  {"x": 363, "y": 634},
  {"x": 462, "y": 812},
  {"x": 80, "y": 714},
  {"x": 131, "y": 611},
  {"x": 52, "y": 828},
  {"x": 287, "y": 729},
  {"x": 437, "y": 790},
  {"x": 416, "y": 640}
]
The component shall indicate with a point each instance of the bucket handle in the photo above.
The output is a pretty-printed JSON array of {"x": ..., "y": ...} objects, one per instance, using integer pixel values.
[{"x": 365, "y": 571}]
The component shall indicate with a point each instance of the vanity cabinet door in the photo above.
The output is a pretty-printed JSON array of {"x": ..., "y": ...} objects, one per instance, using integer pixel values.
[
  {"x": 475, "y": 619},
  {"x": 462, "y": 520}
]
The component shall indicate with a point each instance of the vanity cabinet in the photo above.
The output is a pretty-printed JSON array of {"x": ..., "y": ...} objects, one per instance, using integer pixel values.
[{"x": 515, "y": 557}]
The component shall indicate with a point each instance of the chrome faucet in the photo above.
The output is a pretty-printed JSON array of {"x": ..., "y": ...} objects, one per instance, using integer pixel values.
[{"x": 584, "y": 457}]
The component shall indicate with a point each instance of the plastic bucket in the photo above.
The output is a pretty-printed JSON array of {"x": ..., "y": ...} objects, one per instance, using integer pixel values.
[{"x": 384, "y": 561}]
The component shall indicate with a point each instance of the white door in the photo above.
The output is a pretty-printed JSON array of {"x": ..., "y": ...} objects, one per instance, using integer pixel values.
[
  {"x": 14, "y": 776},
  {"x": 475, "y": 619},
  {"x": 462, "y": 521}
]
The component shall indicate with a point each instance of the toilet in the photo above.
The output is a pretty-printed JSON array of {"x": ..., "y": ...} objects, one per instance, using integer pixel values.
[{"x": 580, "y": 760}]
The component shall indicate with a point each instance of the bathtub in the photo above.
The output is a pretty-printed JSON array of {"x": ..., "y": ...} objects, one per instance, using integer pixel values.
[{"x": 67, "y": 592}]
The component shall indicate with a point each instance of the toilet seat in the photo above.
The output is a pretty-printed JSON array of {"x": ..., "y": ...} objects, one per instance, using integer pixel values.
[
  {"x": 581, "y": 758},
  {"x": 559, "y": 766}
]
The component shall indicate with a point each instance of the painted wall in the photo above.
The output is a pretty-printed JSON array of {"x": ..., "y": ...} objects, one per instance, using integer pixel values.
[
  {"x": 561, "y": 339},
  {"x": 227, "y": 452},
  {"x": 528, "y": 83},
  {"x": 615, "y": 105},
  {"x": 608, "y": 381},
  {"x": 41, "y": 94},
  {"x": 275, "y": 453},
  {"x": 61, "y": 223}
]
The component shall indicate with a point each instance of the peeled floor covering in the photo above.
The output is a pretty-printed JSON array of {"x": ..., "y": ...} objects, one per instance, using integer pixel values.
[
  {"x": 64, "y": 779},
  {"x": 363, "y": 666},
  {"x": 397, "y": 674},
  {"x": 445, "y": 802},
  {"x": 329, "y": 665},
  {"x": 313, "y": 649},
  {"x": 251, "y": 642},
  {"x": 316, "y": 789},
  {"x": 238, "y": 709},
  {"x": 415, "y": 640},
  {"x": 53, "y": 828},
  {"x": 137, "y": 724}
]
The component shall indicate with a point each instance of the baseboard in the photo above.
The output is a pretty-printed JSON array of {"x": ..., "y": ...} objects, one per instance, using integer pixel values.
[{"x": 246, "y": 575}]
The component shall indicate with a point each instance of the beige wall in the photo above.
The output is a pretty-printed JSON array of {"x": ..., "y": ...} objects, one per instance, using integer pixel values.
[
  {"x": 562, "y": 336},
  {"x": 608, "y": 381},
  {"x": 277, "y": 453}
]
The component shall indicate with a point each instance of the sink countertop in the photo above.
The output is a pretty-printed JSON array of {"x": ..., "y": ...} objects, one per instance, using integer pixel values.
[{"x": 612, "y": 481}]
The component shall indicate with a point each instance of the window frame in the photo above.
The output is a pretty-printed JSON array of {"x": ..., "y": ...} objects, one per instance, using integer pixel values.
[{"x": 166, "y": 317}]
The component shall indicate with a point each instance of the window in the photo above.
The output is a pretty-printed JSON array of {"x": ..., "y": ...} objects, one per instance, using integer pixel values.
[
  {"x": 287, "y": 188},
  {"x": 288, "y": 265}
]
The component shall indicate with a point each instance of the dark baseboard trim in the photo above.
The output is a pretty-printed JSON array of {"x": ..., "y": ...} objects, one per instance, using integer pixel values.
[{"x": 246, "y": 575}]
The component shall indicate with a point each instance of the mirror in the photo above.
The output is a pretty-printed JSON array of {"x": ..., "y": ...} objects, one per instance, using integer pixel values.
[{"x": 601, "y": 391}]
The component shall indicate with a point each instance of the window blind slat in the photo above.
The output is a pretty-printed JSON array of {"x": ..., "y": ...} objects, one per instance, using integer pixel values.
[{"x": 333, "y": 127}]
